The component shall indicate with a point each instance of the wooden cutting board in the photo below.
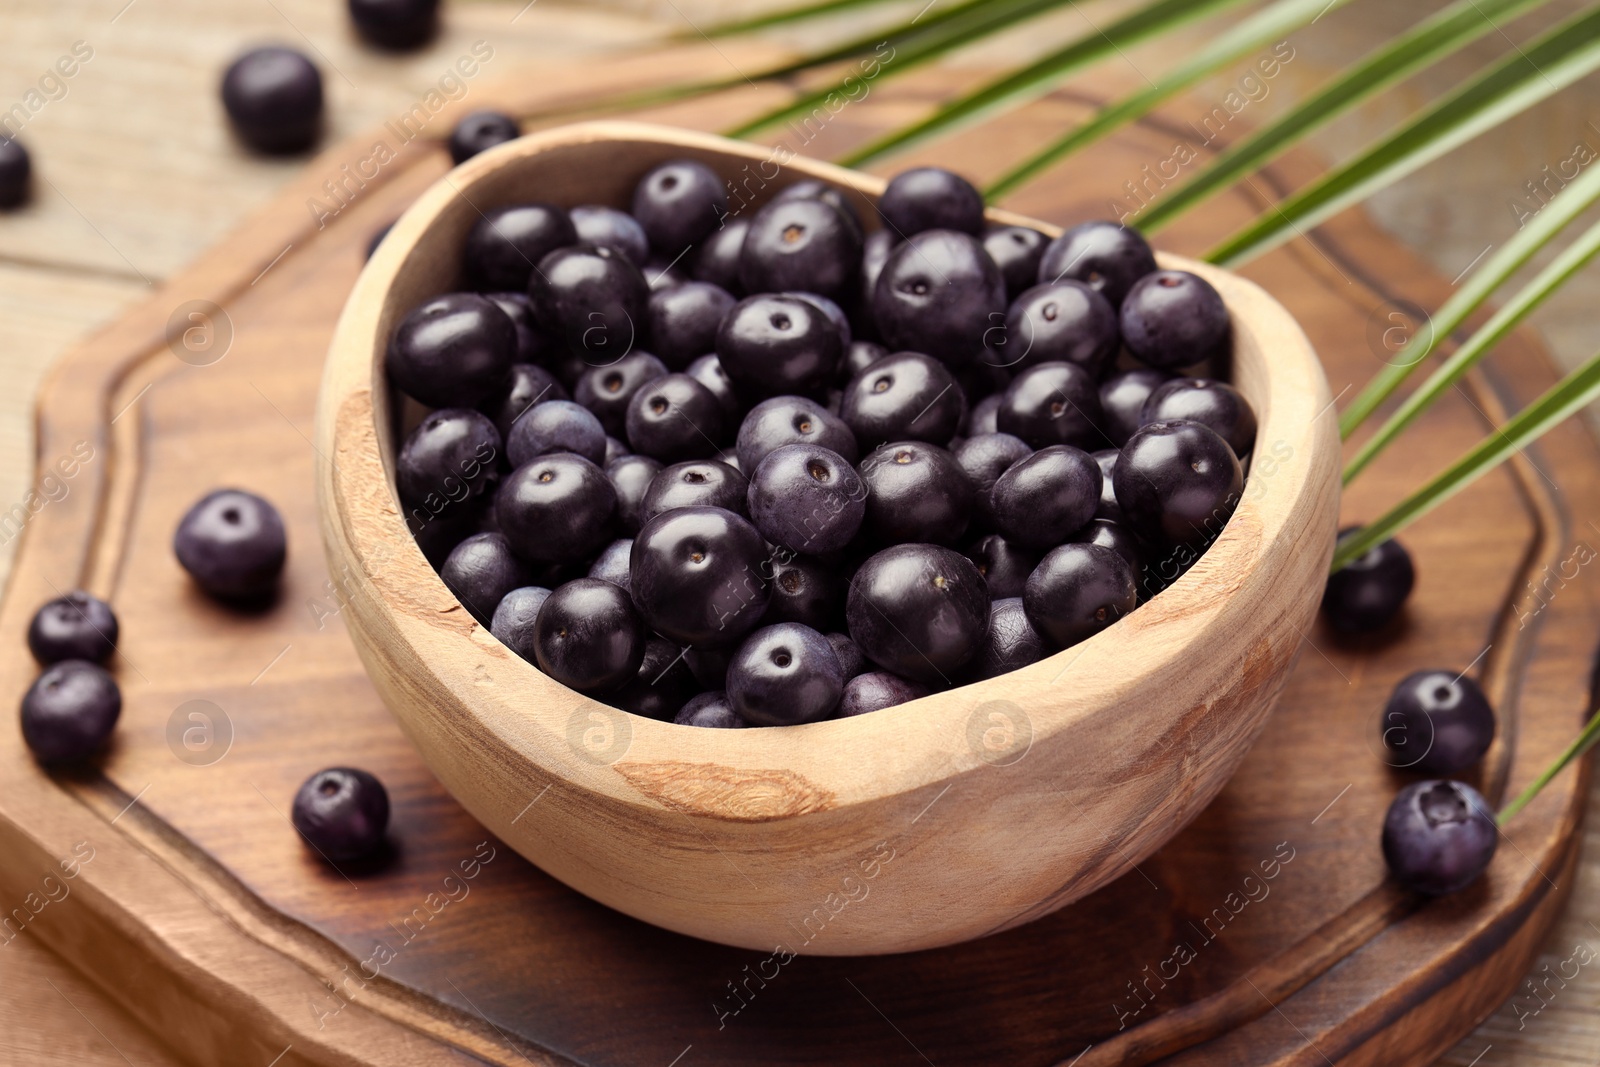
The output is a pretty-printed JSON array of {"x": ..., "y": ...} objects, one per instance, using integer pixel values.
[{"x": 1264, "y": 933}]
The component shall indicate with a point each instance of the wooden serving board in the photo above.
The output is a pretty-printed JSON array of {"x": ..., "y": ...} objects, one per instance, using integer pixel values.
[{"x": 1264, "y": 933}]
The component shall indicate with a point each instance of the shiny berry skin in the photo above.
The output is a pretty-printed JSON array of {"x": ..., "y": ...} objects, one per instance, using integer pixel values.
[
  {"x": 1016, "y": 250},
  {"x": 674, "y": 419},
  {"x": 1011, "y": 644},
  {"x": 1173, "y": 319},
  {"x": 1438, "y": 722},
  {"x": 850, "y": 655},
  {"x": 451, "y": 457},
  {"x": 556, "y": 426},
  {"x": 1052, "y": 404},
  {"x": 1109, "y": 508},
  {"x": 662, "y": 686},
  {"x": 710, "y": 709},
  {"x": 532, "y": 345},
  {"x": 716, "y": 259},
  {"x": 397, "y": 24},
  {"x": 875, "y": 252},
  {"x": 273, "y": 97},
  {"x": 807, "y": 498},
  {"x": 1122, "y": 400},
  {"x": 600, "y": 225},
  {"x": 1061, "y": 321},
  {"x": 611, "y": 565},
  {"x": 70, "y": 711},
  {"x": 800, "y": 244},
  {"x": 1005, "y": 566},
  {"x": 697, "y": 483},
  {"x": 939, "y": 294},
  {"x": 480, "y": 571},
  {"x": 1369, "y": 592},
  {"x": 876, "y": 690},
  {"x": 1078, "y": 590},
  {"x": 594, "y": 299},
  {"x": 454, "y": 351},
  {"x": 919, "y": 611},
  {"x": 792, "y": 420},
  {"x": 1206, "y": 400},
  {"x": 984, "y": 416},
  {"x": 16, "y": 171},
  {"x": 903, "y": 397},
  {"x": 607, "y": 389},
  {"x": 928, "y": 198},
  {"x": 1106, "y": 256},
  {"x": 1178, "y": 483},
  {"x": 835, "y": 313},
  {"x": 1438, "y": 837},
  {"x": 661, "y": 274},
  {"x": 678, "y": 203},
  {"x": 808, "y": 591},
  {"x": 858, "y": 357},
  {"x": 1042, "y": 499},
  {"x": 528, "y": 384},
  {"x": 773, "y": 345},
  {"x": 1119, "y": 539},
  {"x": 233, "y": 544},
  {"x": 479, "y": 132},
  {"x": 707, "y": 370},
  {"x": 506, "y": 243},
  {"x": 699, "y": 576},
  {"x": 514, "y": 616},
  {"x": 74, "y": 626},
  {"x": 916, "y": 492},
  {"x": 835, "y": 197},
  {"x": 588, "y": 636},
  {"x": 631, "y": 477},
  {"x": 343, "y": 813},
  {"x": 784, "y": 675},
  {"x": 684, "y": 321},
  {"x": 558, "y": 509}
]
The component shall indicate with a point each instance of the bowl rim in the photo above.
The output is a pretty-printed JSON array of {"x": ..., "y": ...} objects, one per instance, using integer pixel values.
[{"x": 458, "y": 667}]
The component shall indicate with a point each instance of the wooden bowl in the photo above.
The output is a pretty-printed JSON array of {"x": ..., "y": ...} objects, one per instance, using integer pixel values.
[{"x": 944, "y": 819}]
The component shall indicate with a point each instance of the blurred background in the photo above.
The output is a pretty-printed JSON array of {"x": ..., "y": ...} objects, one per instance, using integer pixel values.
[{"x": 137, "y": 173}]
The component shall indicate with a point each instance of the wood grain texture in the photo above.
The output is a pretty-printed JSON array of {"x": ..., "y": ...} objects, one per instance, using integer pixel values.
[{"x": 202, "y": 875}]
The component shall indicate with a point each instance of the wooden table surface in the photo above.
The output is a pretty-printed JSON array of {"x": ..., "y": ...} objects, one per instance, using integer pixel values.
[{"x": 138, "y": 174}]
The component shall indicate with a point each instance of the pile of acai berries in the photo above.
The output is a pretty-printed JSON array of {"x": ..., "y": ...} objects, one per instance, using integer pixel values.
[{"x": 765, "y": 467}]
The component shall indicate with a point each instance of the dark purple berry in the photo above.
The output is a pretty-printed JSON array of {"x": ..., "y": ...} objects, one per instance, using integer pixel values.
[
  {"x": 532, "y": 345},
  {"x": 16, "y": 172},
  {"x": 697, "y": 483},
  {"x": 772, "y": 345},
  {"x": 397, "y": 24},
  {"x": 588, "y": 637},
  {"x": 928, "y": 198},
  {"x": 1052, "y": 404},
  {"x": 1118, "y": 538},
  {"x": 1103, "y": 255},
  {"x": 1108, "y": 507},
  {"x": 807, "y": 591},
  {"x": 273, "y": 97},
  {"x": 70, "y": 711},
  {"x": 480, "y": 571},
  {"x": 1178, "y": 483},
  {"x": 940, "y": 294},
  {"x": 556, "y": 426},
  {"x": 631, "y": 477},
  {"x": 874, "y": 254},
  {"x": 916, "y": 492},
  {"x": 675, "y": 418},
  {"x": 710, "y": 709},
  {"x": 1011, "y": 644},
  {"x": 807, "y": 498},
  {"x": 707, "y": 370},
  {"x": 1368, "y": 593},
  {"x": 678, "y": 203},
  {"x": 716, "y": 259},
  {"x": 1205, "y": 400},
  {"x": 233, "y": 544},
  {"x": 479, "y": 132},
  {"x": 877, "y": 690},
  {"x": 784, "y": 675},
  {"x": 1016, "y": 250},
  {"x": 1438, "y": 722},
  {"x": 858, "y": 357},
  {"x": 598, "y": 225},
  {"x": 342, "y": 813},
  {"x": 699, "y": 576},
  {"x": 74, "y": 626},
  {"x": 792, "y": 420},
  {"x": 919, "y": 611},
  {"x": 528, "y": 385},
  {"x": 453, "y": 351},
  {"x": 1005, "y": 566},
  {"x": 558, "y": 509},
  {"x": 1438, "y": 837},
  {"x": 594, "y": 299},
  {"x": 1078, "y": 590},
  {"x": 1122, "y": 400},
  {"x": 800, "y": 244},
  {"x": 1173, "y": 319},
  {"x": 662, "y": 686},
  {"x": 608, "y": 389},
  {"x": 1063, "y": 321},
  {"x": 835, "y": 197},
  {"x": 1043, "y": 498},
  {"x": 506, "y": 244},
  {"x": 451, "y": 457},
  {"x": 985, "y": 415},
  {"x": 903, "y": 397},
  {"x": 514, "y": 617},
  {"x": 684, "y": 321},
  {"x": 611, "y": 565},
  {"x": 851, "y": 658}
]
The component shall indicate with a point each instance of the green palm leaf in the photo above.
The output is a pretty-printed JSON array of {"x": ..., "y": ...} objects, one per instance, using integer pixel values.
[
  {"x": 1585, "y": 741},
  {"x": 1429, "y": 41},
  {"x": 1511, "y": 256},
  {"x": 932, "y": 37},
  {"x": 1529, "y": 75},
  {"x": 1040, "y": 77},
  {"x": 1530, "y": 296},
  {"x": 778, "y": 18},
  {"x": 1261, "y": 29},
  {"x": 1565, "y": 398}
]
